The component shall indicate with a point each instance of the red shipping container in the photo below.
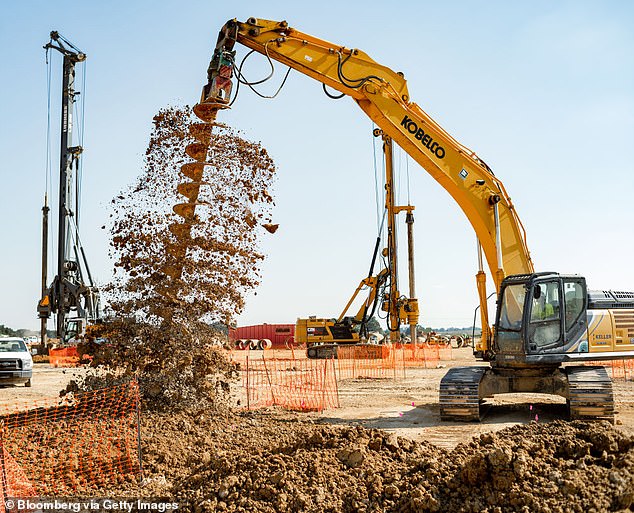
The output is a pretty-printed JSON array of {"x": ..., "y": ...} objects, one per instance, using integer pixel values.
[{"x": 280, "y": 335}]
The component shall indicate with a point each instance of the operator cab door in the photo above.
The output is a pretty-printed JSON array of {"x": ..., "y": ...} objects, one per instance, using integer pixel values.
[
  {"x": 545, "y": 330},
  {"x": 575, "y": 315},
  {"x": 556, "y": 318}
]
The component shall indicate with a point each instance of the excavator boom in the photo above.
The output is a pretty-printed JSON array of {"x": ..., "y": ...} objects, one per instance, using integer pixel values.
[{"x": 383, "y": 95}]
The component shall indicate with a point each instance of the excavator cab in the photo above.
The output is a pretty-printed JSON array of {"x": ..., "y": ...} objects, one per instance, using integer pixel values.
[
  {"x": 541, "y": 317},
  {"x": 75, "y": 329}
]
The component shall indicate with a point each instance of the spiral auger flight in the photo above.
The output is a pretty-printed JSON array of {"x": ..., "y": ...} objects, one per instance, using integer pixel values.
[
  {"x": 215, "y": 97},
  {"x": 190, "y": 189}
]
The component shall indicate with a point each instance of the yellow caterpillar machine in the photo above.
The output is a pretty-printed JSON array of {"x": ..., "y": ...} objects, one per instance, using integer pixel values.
[
  {"x": 322, "y": 337},
  {"x": 543, "y": 320}
]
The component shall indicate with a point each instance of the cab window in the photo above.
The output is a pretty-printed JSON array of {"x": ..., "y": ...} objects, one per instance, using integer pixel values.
[
  {"x": 512, "y": 307},
  {"x": 72, "y": 330},
  {"x": 12, "y": 345},
  {"x": 574, "y": 292},
  {"x": 545, "y": 318}
]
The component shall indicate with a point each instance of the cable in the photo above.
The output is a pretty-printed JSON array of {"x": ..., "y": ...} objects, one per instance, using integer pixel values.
[
  {"x": 82, "y": 131},
  {"x": 376, "y": 179},
  {"x": 399, "y": 175},
  {"x": 48, "y": 122},
  {"x": 79, "y": 248},
  {"x": 383, "y": 182},
  {"x": 59, "y": 36},
  {"x": 344, "y": 79},
  {"x": 49, "y": 177},
  {"x": 408, "y": 188},
  {"x": 243, "y": 80},
  {"x": 333, "y": 96}
]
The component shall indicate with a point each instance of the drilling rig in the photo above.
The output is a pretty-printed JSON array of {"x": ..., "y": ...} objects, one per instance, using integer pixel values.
[{"x": 72, "y": 295}]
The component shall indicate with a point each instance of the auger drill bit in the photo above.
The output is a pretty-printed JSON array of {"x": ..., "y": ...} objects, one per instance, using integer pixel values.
[{"x": 215, "y": 97}]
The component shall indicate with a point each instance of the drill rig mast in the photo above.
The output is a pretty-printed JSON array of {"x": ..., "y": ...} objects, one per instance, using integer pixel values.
[{"x": 72, "y": 289}]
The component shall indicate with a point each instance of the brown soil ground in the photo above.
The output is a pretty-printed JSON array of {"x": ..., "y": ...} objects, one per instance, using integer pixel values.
[
  {"x": 409, "y": 407},
  {"x": 385, "y": 449}
]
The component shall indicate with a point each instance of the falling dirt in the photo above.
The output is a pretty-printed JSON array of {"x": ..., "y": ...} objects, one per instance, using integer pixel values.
[
  {"x": 183, "y": 236},
  {"x": 271, "y": 228},
  {"x": 185, "y": 242}
]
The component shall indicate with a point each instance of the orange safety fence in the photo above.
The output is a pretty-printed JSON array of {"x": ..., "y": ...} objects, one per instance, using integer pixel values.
[
  {"x": 424, "y": 355},
  {"x": 63, "y": 357},
  {"x": 375, "y": 362},
  {"x": 289, "y": 379},
  {"x": 445, "y": 353},
  {"x": 414, "y": 355},
  {"x": 305, "y": 385},
  {"x": 618, "y": 369},
  {"x": 79, "y": 444}
]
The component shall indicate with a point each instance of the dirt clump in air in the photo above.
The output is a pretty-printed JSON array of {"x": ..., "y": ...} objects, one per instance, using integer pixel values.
[{"x": 185, "y": 242}]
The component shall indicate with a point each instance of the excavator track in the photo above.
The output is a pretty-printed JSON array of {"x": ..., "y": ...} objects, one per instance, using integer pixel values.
[
  {"x": 460, "y": 395},
  {"x": 322, "y": 351},
  {"x": 591, "y": 395},
  {"x": 359, "y": 351}
]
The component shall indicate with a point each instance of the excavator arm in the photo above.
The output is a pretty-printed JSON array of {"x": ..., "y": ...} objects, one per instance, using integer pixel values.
[
  {"x": 383, "y": 95},
  {"x": 373, "y": 283}
]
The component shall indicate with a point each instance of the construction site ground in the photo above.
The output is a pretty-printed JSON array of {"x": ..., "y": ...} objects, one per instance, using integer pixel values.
[
  {"x": 409, "y": 406},
  {"x": 406, "y": 406},
  {"x": 384, "y": 449}
]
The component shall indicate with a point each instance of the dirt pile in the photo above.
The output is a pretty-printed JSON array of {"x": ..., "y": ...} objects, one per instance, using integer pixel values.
[
  {"x": 265, "y": 462},
  {"x": 552, "y": 467}
]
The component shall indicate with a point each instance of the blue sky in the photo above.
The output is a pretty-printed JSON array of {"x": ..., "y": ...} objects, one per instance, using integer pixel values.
[{"x": 543, "y": 91}]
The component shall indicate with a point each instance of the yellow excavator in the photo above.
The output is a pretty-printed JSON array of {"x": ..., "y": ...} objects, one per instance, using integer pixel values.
[
  {"x": 543, "y": 319},
  {"x": 323, "y": 337}
]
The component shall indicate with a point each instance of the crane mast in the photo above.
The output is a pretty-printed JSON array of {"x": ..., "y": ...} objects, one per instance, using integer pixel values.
[{"x": 69, "y": 291}]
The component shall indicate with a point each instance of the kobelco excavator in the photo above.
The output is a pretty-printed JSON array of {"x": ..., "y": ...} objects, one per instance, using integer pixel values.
[{"x": 543, "y": 319}]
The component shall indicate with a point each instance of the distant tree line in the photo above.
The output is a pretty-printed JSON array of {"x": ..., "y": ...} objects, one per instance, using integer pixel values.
[{"x": 5, "y": 331}]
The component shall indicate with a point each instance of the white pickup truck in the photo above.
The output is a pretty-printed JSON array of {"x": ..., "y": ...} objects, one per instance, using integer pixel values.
[{"x": 16, "y": 364}]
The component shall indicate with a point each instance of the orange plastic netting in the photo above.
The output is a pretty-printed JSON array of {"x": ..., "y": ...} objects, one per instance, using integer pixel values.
[
  {"x": 622, "y": 369},
  {"x": 373, "y": 362},
  {"x": 74, "y": 445},
  {"x": 299, "y": 383},
  {"x": 296, "y": 384}
]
